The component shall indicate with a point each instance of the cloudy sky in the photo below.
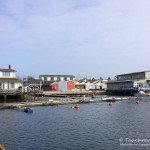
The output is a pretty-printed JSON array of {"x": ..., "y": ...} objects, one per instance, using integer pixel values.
[{"x": 90, "y": 38}]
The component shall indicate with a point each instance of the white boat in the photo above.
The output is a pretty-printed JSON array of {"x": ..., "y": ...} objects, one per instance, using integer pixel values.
[{"x": 140, "y": 94}]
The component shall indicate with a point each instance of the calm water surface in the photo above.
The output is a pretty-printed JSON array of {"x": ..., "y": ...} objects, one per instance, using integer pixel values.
[{"x": 94, "y": 126}]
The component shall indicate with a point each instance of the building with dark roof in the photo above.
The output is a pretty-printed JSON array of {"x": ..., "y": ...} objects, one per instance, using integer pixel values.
[
  {"x": 130, "y": 83},
  {"x": 32, "y": 83},
  {"x": 8, "y": 79}
]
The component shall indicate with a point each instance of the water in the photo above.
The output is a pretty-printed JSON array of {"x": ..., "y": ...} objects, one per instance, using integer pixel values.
[{"x": 94, "y": 126}]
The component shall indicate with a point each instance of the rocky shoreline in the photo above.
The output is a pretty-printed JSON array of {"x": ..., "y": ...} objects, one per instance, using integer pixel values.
[{"x": 52, "y": 102}]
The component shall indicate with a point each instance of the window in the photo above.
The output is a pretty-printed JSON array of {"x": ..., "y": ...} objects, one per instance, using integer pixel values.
[
  {"x": 12, "y": 85},
  {"x": 6, "y": 74},
  {"x": 62, "y": 78},
  {"x": 48, "y": 78},
  {"x": 42, "y": 78},
  {"x": 55, "y": 78},
  {"x": 68, "y": 78}
]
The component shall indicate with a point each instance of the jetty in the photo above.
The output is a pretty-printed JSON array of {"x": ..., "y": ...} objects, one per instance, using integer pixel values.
[{"x": 18, "y": 94}]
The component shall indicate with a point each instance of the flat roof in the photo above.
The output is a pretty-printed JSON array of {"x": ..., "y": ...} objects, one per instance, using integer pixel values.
[
  {"x": 119, "y": 81},
  {"x": 133, "y": 73},
  {"x": 7, "y": 70},
  {"x": 46, "y": 75}
]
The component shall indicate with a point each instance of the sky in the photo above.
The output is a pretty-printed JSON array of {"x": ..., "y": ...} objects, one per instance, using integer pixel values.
[{"x": 85, "y": 38}]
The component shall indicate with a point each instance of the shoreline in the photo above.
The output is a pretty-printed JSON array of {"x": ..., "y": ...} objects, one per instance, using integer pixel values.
[{"x": 52, "y": 102}]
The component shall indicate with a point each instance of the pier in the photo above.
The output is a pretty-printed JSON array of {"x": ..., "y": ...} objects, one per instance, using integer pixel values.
[{"x": 17, "y": 94}]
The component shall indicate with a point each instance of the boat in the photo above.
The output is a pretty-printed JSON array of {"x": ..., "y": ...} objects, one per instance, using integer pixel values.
[
  {"x": 24, "y": 109},
  {"x": 92, "y": 96},
  {"x": 140, "y": 94},
  {"x": 77, "y": 106},
  {"x": 110, "y": 103},
  {"x": 28, "y": 110},
  {"x": 91, "y": 100},
  {"x": 50, "y": 100}
]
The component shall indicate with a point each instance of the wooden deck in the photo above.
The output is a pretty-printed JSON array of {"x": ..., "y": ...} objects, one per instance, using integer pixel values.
[{"x": 18, "y": 92}]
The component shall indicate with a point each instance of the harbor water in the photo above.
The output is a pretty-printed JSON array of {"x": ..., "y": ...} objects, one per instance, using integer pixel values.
[{"x": 95, "y": 126}]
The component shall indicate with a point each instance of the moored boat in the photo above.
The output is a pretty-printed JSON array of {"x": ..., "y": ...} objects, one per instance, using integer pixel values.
[
  {"x": 28, "y": 110},
  {"x": 77, "y": 106}
]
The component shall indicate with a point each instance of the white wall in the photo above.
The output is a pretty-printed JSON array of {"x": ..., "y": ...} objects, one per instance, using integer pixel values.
[
  {"x": 12, "y": 75},
  {"x": 17, "y": 85},
  {"x": 90, "y": 86},
  {"x": 6, "y": 87},
  {"x": 147, "y": 75},
  {"x": 1, "y": 74}
]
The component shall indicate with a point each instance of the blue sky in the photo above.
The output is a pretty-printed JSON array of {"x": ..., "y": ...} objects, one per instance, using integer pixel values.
[{"x": 92, "y": 38}]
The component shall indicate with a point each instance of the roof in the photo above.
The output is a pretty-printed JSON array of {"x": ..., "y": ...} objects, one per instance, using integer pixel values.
[
  {"x": 133, "y": 73},
  {"x": 54, "y": 83},
  {"x": 57, "y": 76},
  {"x": 47, "y": 82},
  {"x": 7, "y": 70},
  {"x": 9, "y": 80},
  {"x": 34, "y": 81},
  {"x": 119, "y": 81}
]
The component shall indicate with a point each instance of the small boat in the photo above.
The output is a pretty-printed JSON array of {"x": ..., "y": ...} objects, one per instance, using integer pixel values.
[
  {"x": 140, "y": 94},
  {"x": 50, "y": 100},
  {"x": 28, "y": 110},
  {"x": 110, "y": 103},
  {"x": 77, "y": 106},
  {"x": 91, "y": 100},
  {"x": 137, "y": 102},
  {"x": 92, "y": 96},
  {"x": 24, "y": 109}
]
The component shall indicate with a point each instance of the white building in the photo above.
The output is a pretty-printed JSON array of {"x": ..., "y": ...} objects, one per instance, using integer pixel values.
[
  {"x": 101, "y": 84},
  {"x": 8, "y": 79},
  {"x": 90, "y": 86}
]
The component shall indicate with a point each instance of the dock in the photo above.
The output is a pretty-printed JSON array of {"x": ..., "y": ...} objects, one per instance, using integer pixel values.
[{"x": 18, "y": 94}]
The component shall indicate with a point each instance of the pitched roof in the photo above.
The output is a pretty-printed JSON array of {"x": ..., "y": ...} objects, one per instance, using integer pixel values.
[
  {"x": 133, "y": 73},
  {"x": 119, "y": 81},
  {"x": 34, "y": 81},
  {"x": 7, "y": 70},
  {"x": 48, "y": 82},
  {"x": 57, "y": 76}
]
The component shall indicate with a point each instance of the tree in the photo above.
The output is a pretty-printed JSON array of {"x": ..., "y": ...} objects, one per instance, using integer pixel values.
[{"x": 109, "y": 79}]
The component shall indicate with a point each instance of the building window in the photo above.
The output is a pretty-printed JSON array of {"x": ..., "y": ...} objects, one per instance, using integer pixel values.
[
  {"x": 55, "y": 78},
  {"x": 48, "y": 78},
  {"x": 61, "y": 78},
  {"x": 42, "y": 78},
  {"x": 12, "y": 85},
  {"x": 6, "y": 74},
  {"x": 68, "y": 78}
]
